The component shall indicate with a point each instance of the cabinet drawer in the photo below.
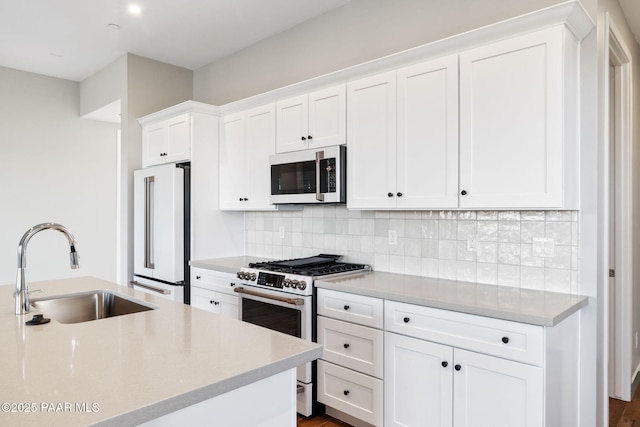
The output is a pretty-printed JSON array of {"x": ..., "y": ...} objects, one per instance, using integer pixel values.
[
  {"x": 363, "y": 310},
  {"x": 216, "y": 302},
  {"x": 502, "y": 338},
  {"x": 213, "y": 280},
  {"x": 353, "y": 346},
  {"x": 351, "y": 392}
]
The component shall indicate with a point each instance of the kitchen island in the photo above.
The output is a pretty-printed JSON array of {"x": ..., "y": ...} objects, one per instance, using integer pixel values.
[{"x": 171, "y": 364}]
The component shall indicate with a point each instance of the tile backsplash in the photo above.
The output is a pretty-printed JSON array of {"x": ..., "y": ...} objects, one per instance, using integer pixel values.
[{"x": 528, "y": 249}]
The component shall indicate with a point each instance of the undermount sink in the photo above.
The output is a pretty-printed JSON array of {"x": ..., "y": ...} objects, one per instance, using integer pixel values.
[{"x": 87, "y": 306}]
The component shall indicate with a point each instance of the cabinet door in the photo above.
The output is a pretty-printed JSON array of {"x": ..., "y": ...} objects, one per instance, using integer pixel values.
[
  {"x": 328, "y": 117},
  {"x": 511, "y": 133},
  {"x": 155, "y": 142},
  {"x": 427, "y": 169},
  {"x": 371, "y": 132},
  {"x": 493, "y": 392},
  {"x": 418, "y": 383},
  {"x": 259, "y": 145},
  {"x": 293, "y": 120},
  {"x": 179, "y": 139},
  {"x": 232, "y": 162}
]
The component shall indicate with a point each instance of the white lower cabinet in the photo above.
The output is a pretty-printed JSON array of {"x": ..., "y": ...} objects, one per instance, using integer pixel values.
[
  {"x": 429, "y": 384},
  {"x": 213, "y": 291},
  {"x": 445, "y": 368},
  {"x": 351, "y": 369}
]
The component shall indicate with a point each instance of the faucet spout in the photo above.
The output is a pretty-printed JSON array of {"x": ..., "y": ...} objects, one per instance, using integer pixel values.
[{"x": 22, "y": 290}]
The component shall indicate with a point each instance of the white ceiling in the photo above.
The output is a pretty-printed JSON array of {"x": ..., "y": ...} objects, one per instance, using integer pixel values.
[{"x": 72, "y": 39}]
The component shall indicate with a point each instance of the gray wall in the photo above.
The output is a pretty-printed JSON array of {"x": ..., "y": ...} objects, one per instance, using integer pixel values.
[
  {"x": 58, "y": 167},
  {"x": 355, "y": 33}
]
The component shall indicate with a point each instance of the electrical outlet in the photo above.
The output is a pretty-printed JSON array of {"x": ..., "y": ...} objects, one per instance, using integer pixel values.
[
  {"x": 544, "y": 247},
  {"x": 393, "y": 237},
  {"x": 472, "y": 243},
  {"x": 282, "y": 231}
]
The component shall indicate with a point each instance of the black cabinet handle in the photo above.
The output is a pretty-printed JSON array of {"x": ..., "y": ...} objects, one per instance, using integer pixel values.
[
  {"x": 346, "y": 345},
  {"x": 346, "y": 307},
  {"x": 214, "y": 302},
  {"x": 390, "y": 194},
  {"x": 346, "y": 392},
  {"x": 457, "y": 367},
  {"x": 406, "y": 320},
  {"x": 309, "y": 137},
  {"x": 399, "y": 194},
  {"x": 505, "y": 340},
  {"x": 445, "y": 363},
  {"x": 463, "y": 192},
  {"x": 304, "y": 139}
]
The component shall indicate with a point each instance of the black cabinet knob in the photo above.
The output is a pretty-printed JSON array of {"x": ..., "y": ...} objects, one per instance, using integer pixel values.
[
  {"x": 390, "y": 194},
  {"x": 346, "y": 307},
  {"x": 240, "y": 199},
  {"x": 406, "y": 320},
  {"x": 505, "y": 340},
  {"x": 304, "y": 139},
  {"x": 445, "y": 363},
  {"x": 309, "y": 137},
  {"x": 346, "y": 345},
  {"x": 463, "y": 192},
  {"x": 457, "y": 367},
  {"x": 197, "y": 277},
  {"x": 399, "y": 194},
  {"x": 346, "y": 392},
  {"x": 246, "y": 200},
  {"x": 214, "y": 302}
]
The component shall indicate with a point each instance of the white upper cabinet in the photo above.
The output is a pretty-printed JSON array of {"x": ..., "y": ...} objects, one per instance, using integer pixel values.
[
  {"x": 167, "y": 141},
  {"x": 427, "y": 135},
  {"x": 403, "y": 138},
  {"x": 517, "y": 123},
  {"x": 371, "y": 131},
  {"x": 317, "y": 119},
  {"x": 248, "y": 139}
]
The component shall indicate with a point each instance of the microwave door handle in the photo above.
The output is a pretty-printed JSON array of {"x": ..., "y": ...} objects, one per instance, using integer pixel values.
[
  {"x": 319, "y": 195},
  {"x": 148, "y": 216}
]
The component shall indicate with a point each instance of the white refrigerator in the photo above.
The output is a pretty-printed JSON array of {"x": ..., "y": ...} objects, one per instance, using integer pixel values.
[{"x": 160, "y": 212}]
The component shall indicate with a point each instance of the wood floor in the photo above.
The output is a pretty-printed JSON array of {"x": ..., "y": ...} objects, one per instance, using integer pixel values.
[
  {"x": 624, "y": 414},
  {"x": 321, "y": 421}
]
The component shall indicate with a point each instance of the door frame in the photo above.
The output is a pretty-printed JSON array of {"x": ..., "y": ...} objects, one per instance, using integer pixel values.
[{"x": 619, "y": 311}]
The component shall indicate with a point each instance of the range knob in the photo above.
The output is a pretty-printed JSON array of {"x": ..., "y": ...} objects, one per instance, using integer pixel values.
[
  {"x": 287, "y": 283},
  {"x": 252, "y": 277},
  {"x": 294, "y": 284},
  {"x": 302, "y": 285},
  {"x": 239, "y": 275}
]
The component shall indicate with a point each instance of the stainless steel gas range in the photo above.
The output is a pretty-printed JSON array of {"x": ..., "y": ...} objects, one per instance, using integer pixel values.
[{"x": 280, "y": 295}]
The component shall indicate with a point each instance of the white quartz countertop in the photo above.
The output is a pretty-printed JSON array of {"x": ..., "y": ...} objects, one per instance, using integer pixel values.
[
  {"x": 507, "y": 303},
  {"x": 125, "y": 370},
  {"x": 226, "y": 265}
]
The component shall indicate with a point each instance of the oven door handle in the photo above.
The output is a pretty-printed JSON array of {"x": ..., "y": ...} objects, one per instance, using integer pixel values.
[{"x": 292, "y": 301}]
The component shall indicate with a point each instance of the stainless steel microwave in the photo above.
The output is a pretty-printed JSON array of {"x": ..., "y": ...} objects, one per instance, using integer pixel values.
[{"x": 309, "y": 176}]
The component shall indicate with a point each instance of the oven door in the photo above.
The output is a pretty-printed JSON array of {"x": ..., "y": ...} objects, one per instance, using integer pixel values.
[
  {"x": 279, "y": 311},
  {"x": 289, "y": 314}
]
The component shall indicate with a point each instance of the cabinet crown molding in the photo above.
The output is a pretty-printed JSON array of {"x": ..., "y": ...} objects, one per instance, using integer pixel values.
[
  {"x": 183, "y": 107},
  {"x": 571, "y": 14}
]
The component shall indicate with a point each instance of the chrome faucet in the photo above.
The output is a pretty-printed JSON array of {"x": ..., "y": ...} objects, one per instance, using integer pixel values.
[{"x": 22, "y": 290}]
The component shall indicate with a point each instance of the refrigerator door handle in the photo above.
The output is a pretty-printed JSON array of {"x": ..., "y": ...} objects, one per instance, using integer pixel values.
[
  {"x": 151, "y": 288},
  {"x": 148, "y": 217}
]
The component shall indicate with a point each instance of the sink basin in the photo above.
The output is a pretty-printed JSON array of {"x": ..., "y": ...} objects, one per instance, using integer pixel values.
[{"x": 87, "y": 306}]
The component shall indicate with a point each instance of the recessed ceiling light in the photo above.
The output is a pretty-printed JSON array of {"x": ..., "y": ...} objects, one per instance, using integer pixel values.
[{"x": 135, "y": 9}]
